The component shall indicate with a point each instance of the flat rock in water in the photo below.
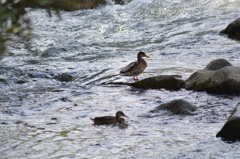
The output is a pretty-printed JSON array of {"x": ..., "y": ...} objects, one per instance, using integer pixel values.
[
  {"x": 217, "y": 64},
  {"x": 67, "y": 5},
  {"x": 177, "y": 106},
  {"x": 64, "y": 77},
  {"x": 225, "y": 81},
  {"x": 170, "y": 82},
  {"x": 233, "y": 29},
  {"x": 231, "y": 130}
]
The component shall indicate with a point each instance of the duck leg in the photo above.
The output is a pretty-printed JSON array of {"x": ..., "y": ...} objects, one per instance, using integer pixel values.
[{"x": 136, "y": 77}]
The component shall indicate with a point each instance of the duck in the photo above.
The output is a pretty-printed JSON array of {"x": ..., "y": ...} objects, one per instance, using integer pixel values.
[
  {"x": 109, "y": 119},
  {"x": 136, "y": 67}
]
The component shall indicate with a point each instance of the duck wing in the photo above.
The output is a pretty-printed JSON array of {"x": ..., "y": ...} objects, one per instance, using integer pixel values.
[
  {"x": 104, "y": 120},
  {"x": 129, "y": 67}
]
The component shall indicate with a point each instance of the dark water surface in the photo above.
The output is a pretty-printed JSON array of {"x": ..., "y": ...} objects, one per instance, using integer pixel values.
[{"x": 49, "y": 93}]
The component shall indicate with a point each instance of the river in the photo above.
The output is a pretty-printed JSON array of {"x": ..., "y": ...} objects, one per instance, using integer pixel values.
[{"x": 52, "y": 85}]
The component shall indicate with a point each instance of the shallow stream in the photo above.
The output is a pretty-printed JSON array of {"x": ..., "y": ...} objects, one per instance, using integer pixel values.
[{"x": 52, "y": 85}]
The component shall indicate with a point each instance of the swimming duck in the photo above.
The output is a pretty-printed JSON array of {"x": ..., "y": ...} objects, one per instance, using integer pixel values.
[
  {"x": 135, "y": 68},
  {"x": 109, "y": 119}
]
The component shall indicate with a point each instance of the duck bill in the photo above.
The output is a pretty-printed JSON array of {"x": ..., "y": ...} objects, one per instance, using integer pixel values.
[
  {"x": 146, "y": 56},
  {"x": 125, "y": 115}
]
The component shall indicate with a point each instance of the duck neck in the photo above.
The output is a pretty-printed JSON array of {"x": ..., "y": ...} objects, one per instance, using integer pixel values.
[
  {"x": 140, "y": 58},
  {"x": 118, "y": 117}
]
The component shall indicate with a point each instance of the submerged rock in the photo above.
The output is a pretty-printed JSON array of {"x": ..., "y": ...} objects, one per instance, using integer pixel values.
[
  {"x": 170, "y": 82},
  {"x": 231, "y": 129},
  {"x": 233, "y": 29},
  {"x": 64, "y": 77},
  {"x": 177, "y": 106},
  {"x": 217, "y": 64},
  {"x": 52, "y": 52},
  {"x": 121, "y": 2},
  {"x": 39, "y": 74},
  {"x": 3, "y": 81}
]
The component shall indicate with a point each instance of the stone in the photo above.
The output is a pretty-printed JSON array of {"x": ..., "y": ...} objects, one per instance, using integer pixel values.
[
  {"x": 177, "y": 106},
  {"x": 219, "y": 76},
  {"x": 199, "y": 80},
  {"x": 230, "y": 132},
  {"x": 84, "y": 4},
  {"x": 169, "y": 82},
  {"x": 233, "y": 29},
  {"x": 67, "y": 5},
  {"x": 121, "y": 2},
  {"x": 64, "y": 77},
  {"x": 217, "y": 64},
  {"x": 225, "y": 81}
]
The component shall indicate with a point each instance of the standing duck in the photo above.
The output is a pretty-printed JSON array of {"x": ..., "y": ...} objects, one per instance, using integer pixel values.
[
  {"x": 109, "y": 119},
  {"x": 135, "y": 68}
]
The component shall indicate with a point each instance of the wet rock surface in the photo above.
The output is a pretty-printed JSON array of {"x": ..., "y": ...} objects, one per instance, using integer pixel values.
[
  {"x": 219, "y": 76},
  {"x": 233, "y": 29},
  {"x": 170, "y": 82},
  {"x": 64, "y": 77},
  {"x": 177, "y": 106},
  {"x": 230, "y": 132},
  {"x": 217, "y": 64},
  {"x": 67, "y": 5},
  {"x": 199, "y": 80},
  {"x": 225, "y": 81}
]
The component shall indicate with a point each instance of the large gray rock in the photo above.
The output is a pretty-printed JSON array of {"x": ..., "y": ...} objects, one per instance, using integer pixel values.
[
  {"x": 170, "y": 82},
  {"x": 199, "y": 80},
  {"x": 225, "y": 80},
  {"x": 231, "y": 130},
  {"x": 233, "y": 29},
  {"x": 219, "y": 76},
  {"x": 177, "y": 106},
  {"x": 217, "y": 64}
]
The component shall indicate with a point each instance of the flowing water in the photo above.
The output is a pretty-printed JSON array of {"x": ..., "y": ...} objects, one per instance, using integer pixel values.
[{"x": 52, "y": 85}]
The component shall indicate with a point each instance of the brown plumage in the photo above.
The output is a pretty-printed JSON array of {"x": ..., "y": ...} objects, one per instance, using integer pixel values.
[
  {"x": 135, "y": 68},
  {"x": 109, "y": 119}
]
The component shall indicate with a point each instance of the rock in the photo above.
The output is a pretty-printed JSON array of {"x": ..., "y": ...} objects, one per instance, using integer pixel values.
[
  {"x": 52, "y": 52},
  {"x": 39, "y": 74},
  {"x": 3, "y": 81},
  {"x": 121, "y": 2},
  {"x": 231, "y": 130},
  {"x": 219, "y": 76},
  {"x": 170, "y": 82},
  {"x": 84, "y": 4},
  {"x": 225, "y": 80},
  {"x": 199, "y": 80},
  {"x": 68, "y": 5},
  {"x": 217, "y": 64},
  {"x": 64, "y": 77},
  {"x": 233, "y": 29},
  {"x": 177, "y": 106}
]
